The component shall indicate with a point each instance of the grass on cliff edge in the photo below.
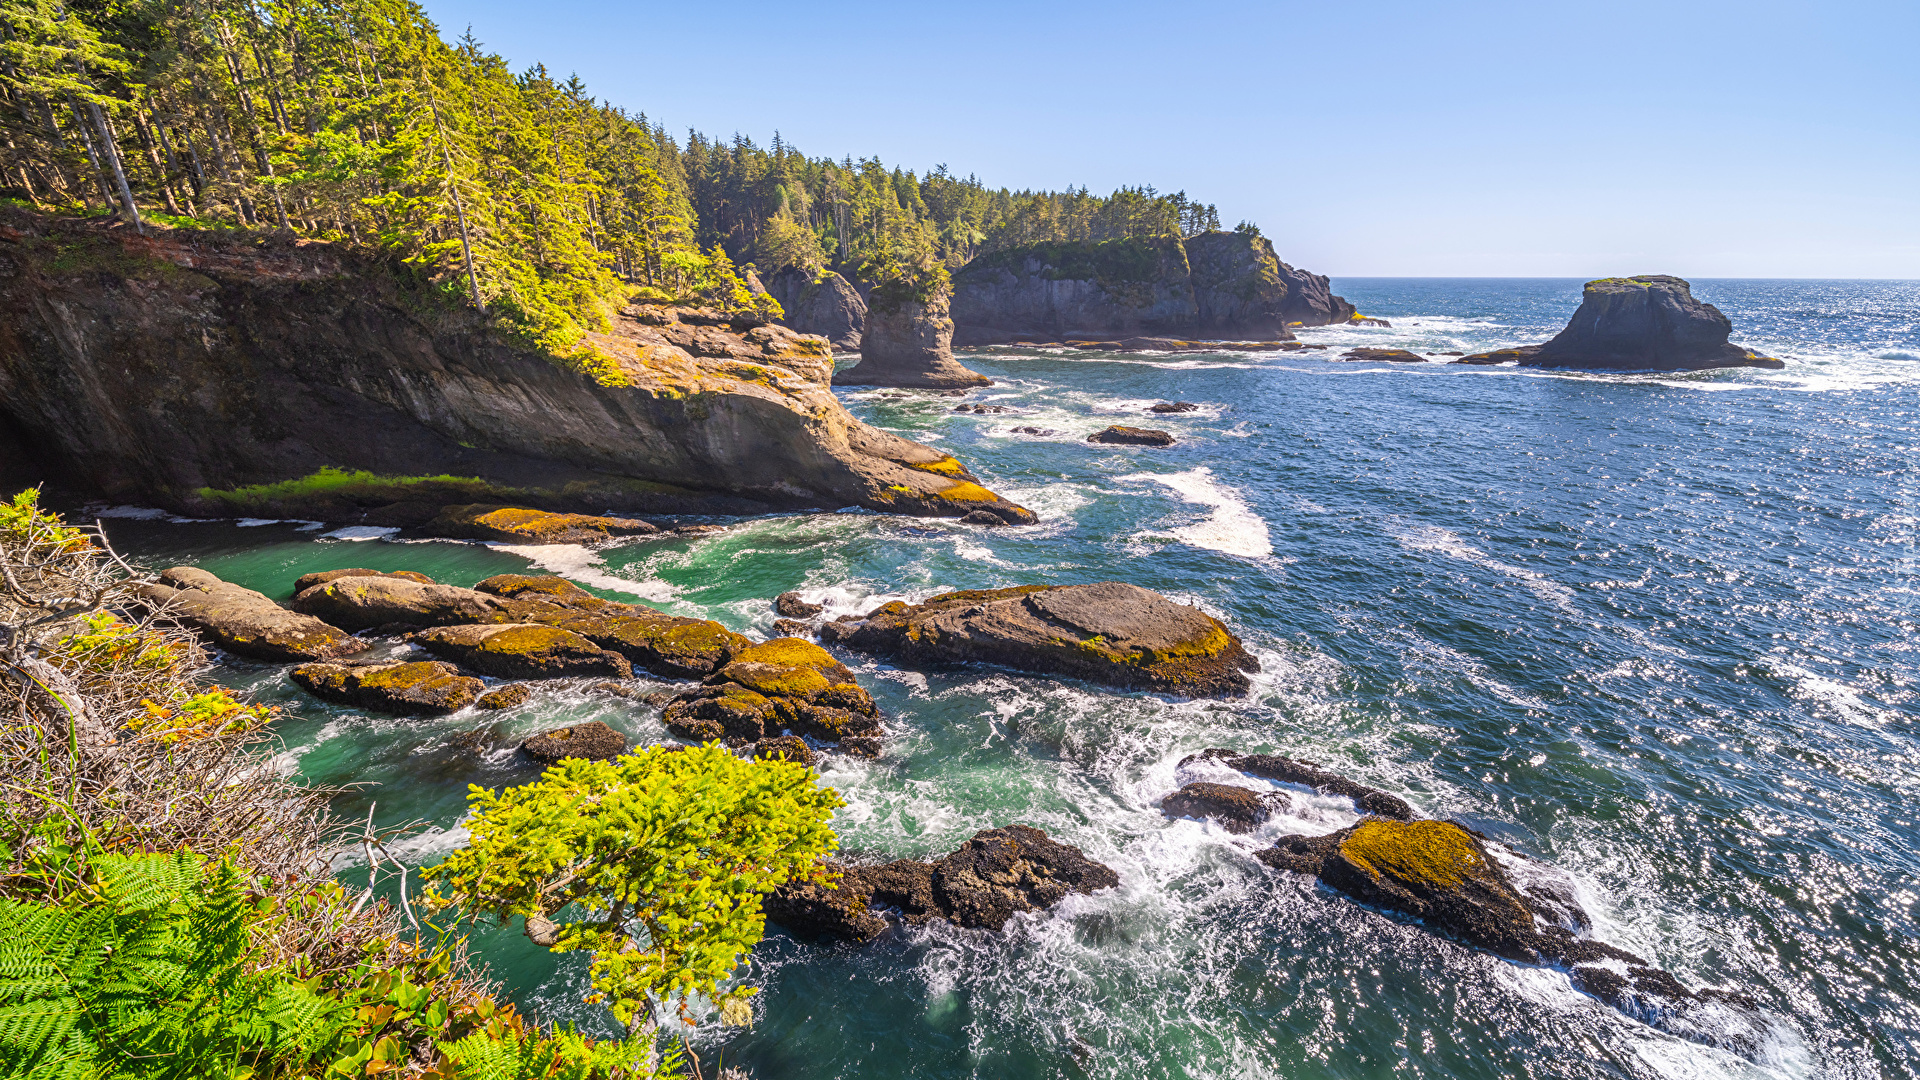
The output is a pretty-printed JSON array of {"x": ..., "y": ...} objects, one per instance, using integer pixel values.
[{"x": 332, "y": 481}]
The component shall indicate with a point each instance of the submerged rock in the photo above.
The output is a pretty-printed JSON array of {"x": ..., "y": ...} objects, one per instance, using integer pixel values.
[
  {"x": 666, "y": 645},
  {"x": 1647, "y": 323},
  {"x": 363, "y": 603},
  {"x": 517, "y": 524},
  {"x": 1174, "y": 407},
  {"x": 1110, "y": 632},
  {"x": 1444, "y": 875},
  {"x": 1388, "y": 356},
  {"x": 1121, "y": 435},
  {"x": 522, "y": 651},
  {"x": 784, "y": 684},
  {"x": 591, "y": 740},
  {"x": 1237, "y": 809},
  {"x": 308, "y": 581},
  {"x": 425, "y": 686},
  {"x": 908, "y": 341},
  {"x": 1289, "y": 771},
  {"x": 991, "y": 878},
  {"x": 506, "y": 697},
  {"x": 242, "y": 621}
]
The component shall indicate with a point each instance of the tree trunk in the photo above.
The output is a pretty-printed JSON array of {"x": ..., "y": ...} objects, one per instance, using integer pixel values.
[{"x": 119, "y": 172}]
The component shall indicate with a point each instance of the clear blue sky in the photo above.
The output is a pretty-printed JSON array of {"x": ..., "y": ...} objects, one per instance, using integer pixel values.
[{"x": 1707, "y": 139}]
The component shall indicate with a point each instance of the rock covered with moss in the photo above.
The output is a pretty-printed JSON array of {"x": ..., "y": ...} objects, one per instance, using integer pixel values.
[
  {"x": 242, "y": 621},
  {"x": 908, "y": 341},
  {"x": 1111, "y": 633},
  {"x": 308, "y": 581},
  {"x": 670, "y": 646},
  {"x": 992, "y": 877},
  {"x": 1647, "y": 323},
  {"x": 1445, "y": 876},
  {"x": 523, "y": 525},
  {"x": 781, "y": 685},
  {"x": 522, "y": 651},
  {"x": 592, "y": 740},
  {"x": 360, "y": 602},
  {"x": 422, "y": 687}
]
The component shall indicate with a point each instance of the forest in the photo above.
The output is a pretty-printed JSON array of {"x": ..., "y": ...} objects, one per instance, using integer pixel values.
[{"x": 517, "y": 192}]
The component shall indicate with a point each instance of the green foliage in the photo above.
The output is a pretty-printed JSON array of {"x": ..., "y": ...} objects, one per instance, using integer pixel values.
[
  {"x": 676, "y": 846},
  {"x": 1110, "y": 262},
  {"x": 331, "y": 481}
]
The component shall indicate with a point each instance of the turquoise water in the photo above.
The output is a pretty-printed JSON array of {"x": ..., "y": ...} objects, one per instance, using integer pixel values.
[{"x": 1659, "y": 630}]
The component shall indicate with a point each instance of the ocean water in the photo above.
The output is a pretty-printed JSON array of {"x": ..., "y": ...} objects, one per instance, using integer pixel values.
[{"x": 1659, "y": 630}]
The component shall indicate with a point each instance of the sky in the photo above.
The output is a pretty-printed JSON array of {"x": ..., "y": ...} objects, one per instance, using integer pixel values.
[{"x": 1475, "y": 138}]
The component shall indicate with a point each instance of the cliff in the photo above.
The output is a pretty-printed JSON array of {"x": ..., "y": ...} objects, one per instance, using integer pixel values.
[
  {"x": 1651, "y": 322},
  {"x": 824, "y": 303},
  {"x": 207, "y": 374},
  {"x": 908, "y": 341},
  {"x": 1214, "y": 285}
]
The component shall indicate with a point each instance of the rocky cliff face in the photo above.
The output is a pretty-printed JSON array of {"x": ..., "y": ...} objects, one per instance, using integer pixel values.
[
  {"x": 1647, "y": 323},
  {"x": 1215, "y": 285},
  {"x": 908, "y": 341},
  {"x": 825, "y": 304},
  {"x": 211, "y": 374}
]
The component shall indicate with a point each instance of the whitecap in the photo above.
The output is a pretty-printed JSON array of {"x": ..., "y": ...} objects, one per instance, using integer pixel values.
[
  {"x": 254, "y": 523},
  {"x": 1441, "y": 541},
  {"x": 361, "y": 532},
  {"x": 578, "y": 563},
  {"x": 1233, "y": 528}
]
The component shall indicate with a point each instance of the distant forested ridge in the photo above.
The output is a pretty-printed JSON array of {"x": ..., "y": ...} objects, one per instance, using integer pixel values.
[{"x": 519, "y": 192}]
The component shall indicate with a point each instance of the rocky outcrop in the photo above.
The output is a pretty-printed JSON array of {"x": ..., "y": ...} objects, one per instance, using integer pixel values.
[
  {"x": 1386, "y": 356},
  {"x": 360, "y": 602},
  {"x": 781, "y": 685},
  {"x": 1445, "y": 876},
  {"x": 593, "y": 741},
  {"x": 792, "y": 606},
  {"x": 1287, "y": 770},
  {"x": 908, "y": 341},
  {"x": 522, "y": 651},
  {"x": 670, "y": 646},
  {"x": 280, "y": 378},
  {"x": 1237, "y": 809},
  {"x": 308, "y": 581},
  {"x": 1646, "y": 323},
  {"x": 424, "y": 687},
  {"x": 1110, "y": 632},
  {"x": 1122, "y": 435},
  {"x": 507, "y": 697},
  {"x": 785, "y": 748},
  {"x": 823, "y": 303},
  {"x": 996, "y": 875},
  {"x": 242, "y": 621},
  {"x": 522, "y": 525},
  {"x": 1212, "y": 285}
]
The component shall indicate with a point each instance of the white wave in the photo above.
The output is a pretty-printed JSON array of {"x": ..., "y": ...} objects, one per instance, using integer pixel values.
[
  {"x": 578, "y": 563},
  {"x": 133, "y": 513},
  {"x": 1441, "y": 541},
  {"x": 311, "y": 526},
  {"x": 1233, "y": 527},
  {"x": 361, "y": 532},
  {"x": 254, "y": 523}
]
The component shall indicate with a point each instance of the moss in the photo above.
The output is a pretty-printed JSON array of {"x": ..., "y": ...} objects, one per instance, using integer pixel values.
[
  {"x": 1436, "y": 854},
  {"x": 947, "y": 466},
  {"x": 331, "y": 481},
  {"x": 967, "y": 492},
  {"x": 528, "y": 640},
  {"x": 511, "y": 585},
  {"x": 777, "y": 680},
  {"x": 791, "y": 652},
  {"x": 402, "y": 676},
  {"x": 965, "y": 596}
]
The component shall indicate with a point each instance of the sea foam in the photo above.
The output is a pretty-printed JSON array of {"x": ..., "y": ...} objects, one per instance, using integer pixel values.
[{"x": 1233, "y": 528}]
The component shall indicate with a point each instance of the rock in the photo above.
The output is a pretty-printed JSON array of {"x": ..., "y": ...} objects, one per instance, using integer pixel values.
[
  {"x": 790, "y": 605},
  {"x": 981, "y": 410},
  {"x": 1289, "y": 771},
  {"x": 1646, "y": 323},
  {"x": 519, "y": 525},
  {"x": 308, "y": 581},
  {"x": 506, "y": 697},
  {"x": 522, "y": 651},
  {"x": 359, "y": 408},
  {"x": 1110, "y": 633},
  {"x": 242, "y": 621},
  {"x": 666, "y": 645},
  {"x": 421, "y": 687},
  {"x": 781, "y": 685},
  {"x": 592, "y": 740},
  {"x": 1036, "y": 431},
  {"x": 1389, "y": 356},
  {"x": 1366, "y": 320},
  {"x": 992, "y": 877},
  {"x": 1174, "y": 407},
  {"x": 785, "y": 748},
  {"x": 796, "y": 628},
  {"x": 908, "y": 341},
  {"x": 982, "y": 517},
  {"x": 1237, "y": 809},
  {"x": 1120, "y": 435},
  {"x": 822, "y": 303},
  {"x": 362, "y": 603},
  {"x": 1443, "y": 875}
]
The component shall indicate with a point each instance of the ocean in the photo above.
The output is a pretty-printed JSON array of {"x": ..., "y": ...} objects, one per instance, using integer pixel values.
[{"x": 1659, "y": 630}]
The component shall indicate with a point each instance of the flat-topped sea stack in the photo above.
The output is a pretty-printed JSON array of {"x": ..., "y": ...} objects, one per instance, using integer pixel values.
[
  {"x": 1646, "y": 323},
  {"x": 908, "y": 341},
  {"x": 1110, "y": 632}
]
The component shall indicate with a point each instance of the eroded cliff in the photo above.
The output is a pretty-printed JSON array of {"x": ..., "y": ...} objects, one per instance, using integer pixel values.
[{"x": 208, "y": 373}]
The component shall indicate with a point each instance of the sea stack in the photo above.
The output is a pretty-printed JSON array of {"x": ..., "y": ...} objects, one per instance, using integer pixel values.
[
  {"x": 908, "y": 341},
  {"x": 1650, "y": 322}
]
